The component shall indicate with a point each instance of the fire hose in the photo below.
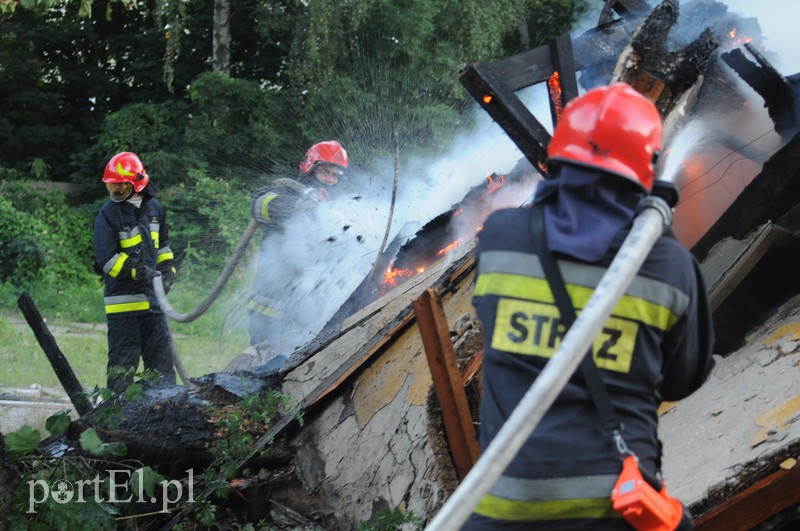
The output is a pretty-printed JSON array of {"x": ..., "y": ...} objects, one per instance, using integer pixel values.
[
  {"x": 647, "y": 228},
  {"x": 227, "y": 271},
  {"x": 224, "y": 276}
]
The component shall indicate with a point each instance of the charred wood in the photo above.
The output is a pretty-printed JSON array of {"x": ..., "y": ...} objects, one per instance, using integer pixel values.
[
  {"x": 57, "y": 359},
  {"x": 622, "y": 8},
  {"x": 664, "y": 76},
  {"x": 779, "y": 96}
]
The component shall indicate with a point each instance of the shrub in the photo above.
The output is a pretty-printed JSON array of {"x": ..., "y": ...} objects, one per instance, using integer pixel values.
[{"x": 42, "y": 238}]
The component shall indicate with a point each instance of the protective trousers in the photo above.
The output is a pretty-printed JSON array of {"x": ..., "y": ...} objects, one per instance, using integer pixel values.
[{"x": 144, "y": 336}]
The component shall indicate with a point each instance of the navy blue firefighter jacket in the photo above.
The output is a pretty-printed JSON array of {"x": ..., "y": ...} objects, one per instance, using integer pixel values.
[
  {"x": 656, "y": 346},
  {"x": 127, "y": 238}
]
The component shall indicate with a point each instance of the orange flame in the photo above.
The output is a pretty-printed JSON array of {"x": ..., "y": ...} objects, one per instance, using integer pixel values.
[
  {"x": 495, "y": 184},
  {"x": 449, "y": 248},
  {"x": 734, "y": 41},
  {"x": 554, "y": 88},
  {"x": 392, "y": 275}
]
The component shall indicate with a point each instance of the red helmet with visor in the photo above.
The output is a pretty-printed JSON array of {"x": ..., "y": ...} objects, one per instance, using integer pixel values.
[
  {"x": 126, "y": 167},
  {"x": 329, "y": 151},
  {"x": 613, "y": 128}
]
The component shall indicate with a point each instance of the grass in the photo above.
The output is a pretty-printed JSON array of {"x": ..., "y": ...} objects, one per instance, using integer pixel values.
[{"x": 75, "y": 317}]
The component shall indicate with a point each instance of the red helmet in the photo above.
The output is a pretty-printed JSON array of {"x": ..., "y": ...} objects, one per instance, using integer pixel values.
[
  {"x": 329, "y": 151},
  {"x": 126, "y": 167},
  {"x": 613, "y": 128}
]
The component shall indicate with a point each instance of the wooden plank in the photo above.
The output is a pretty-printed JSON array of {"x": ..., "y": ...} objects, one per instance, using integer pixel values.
[
  {"x": 472, "y": 368},
  {"x": 355, "y": 362},
  {"x": 57, "y": 359},
  {"x": 435, "y": 334},
  {"x": 754, "y": 504}
]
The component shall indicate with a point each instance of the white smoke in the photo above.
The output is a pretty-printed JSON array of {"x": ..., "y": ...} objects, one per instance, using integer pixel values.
[{"x": 322, "y": 255}]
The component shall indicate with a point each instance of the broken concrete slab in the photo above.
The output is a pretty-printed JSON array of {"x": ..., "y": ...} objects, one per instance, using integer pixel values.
[{"x": 743, "y": 422}]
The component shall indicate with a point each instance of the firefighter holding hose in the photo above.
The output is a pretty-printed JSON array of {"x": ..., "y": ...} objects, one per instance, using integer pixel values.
[
  {"x": 132, "y": 246},
  {"x": 272, "y": 205},
  {"x": 655, "y": 346}
]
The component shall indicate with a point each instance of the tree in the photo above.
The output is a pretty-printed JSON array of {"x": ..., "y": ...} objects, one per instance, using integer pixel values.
[{"x": 221, "y": 47}]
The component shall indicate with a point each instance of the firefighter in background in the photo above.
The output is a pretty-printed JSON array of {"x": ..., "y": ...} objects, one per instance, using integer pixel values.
[
  {"x": 131, "y": 244},
  {"x": 320, "y": 169},
  {"x": 656, "y": 345}
]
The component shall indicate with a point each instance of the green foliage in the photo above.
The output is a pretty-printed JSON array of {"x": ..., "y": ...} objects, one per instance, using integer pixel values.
[
  {"x": 236, "y": 427},
  {"x": 391, "y": 520},
  {"x": 58, "y": 422},
  {"x": 52, "y": 515},
  {"x": 145, "y": 480},
  {"x": 91, "y": 442},
  {"x": 236, "y": 125},
  {"x": 22, "y": 441},
  {"x": 155, "y": 132},
  {"x": 43, "y": 238}
]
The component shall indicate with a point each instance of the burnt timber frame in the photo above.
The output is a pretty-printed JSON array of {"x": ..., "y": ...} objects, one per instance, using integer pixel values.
[{"x": 493, "y": 84}]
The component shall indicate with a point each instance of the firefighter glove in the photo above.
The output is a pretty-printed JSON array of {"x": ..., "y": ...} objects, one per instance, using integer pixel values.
[{"x": 144, "y": 272}]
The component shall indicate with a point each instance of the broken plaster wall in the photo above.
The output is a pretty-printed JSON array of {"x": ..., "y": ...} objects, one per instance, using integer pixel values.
[
  {"x": 374, "y": 446},
  {"x": 743, "y": 422}
]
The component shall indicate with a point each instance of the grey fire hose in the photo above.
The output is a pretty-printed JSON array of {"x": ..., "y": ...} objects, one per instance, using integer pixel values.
[
  {"x": 224, "y": 276},
  {"x": 647, "y": 227},
  {"x": 227, "y": 271}
]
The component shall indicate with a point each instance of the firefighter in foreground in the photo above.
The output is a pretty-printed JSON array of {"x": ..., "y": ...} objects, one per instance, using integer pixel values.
[
  {"x": 131, "y": 244},
  {"x": 320, "y": 170},
  {"x": 656, "y": 345}
]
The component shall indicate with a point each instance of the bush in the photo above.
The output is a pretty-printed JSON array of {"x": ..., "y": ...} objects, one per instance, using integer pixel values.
[
  {"x": 42, "y": 238},
  {"x": 237, "y": 127}
]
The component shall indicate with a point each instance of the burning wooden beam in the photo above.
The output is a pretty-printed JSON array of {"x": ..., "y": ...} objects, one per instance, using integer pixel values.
[{"x": 664, "y": 76}]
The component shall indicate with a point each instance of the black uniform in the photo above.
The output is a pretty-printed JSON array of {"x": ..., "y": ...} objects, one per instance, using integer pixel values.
[
  {"x": 656, "y": 346},
  {"x": 129, "y": 240}
]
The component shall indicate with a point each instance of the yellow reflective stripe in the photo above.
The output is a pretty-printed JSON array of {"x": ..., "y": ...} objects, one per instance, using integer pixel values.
[
  {"x": 117, "y": 267},
  {"x": 260, "y": 308},
  {"x": 586, "y": 275},
  {"x": 163, "y": 257},
  {"x": 127, "y": 307},
  {"x": 265, "y": 205},
  {"x": 535, "y": 329},
  {"x": 154, "y": 236},
  {"x": 130, "y": 242},
  {"x": 533, "y": 511},
  {"x": 537, "y": 289}
]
